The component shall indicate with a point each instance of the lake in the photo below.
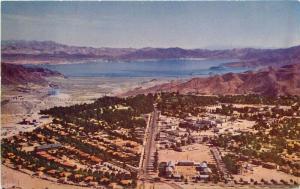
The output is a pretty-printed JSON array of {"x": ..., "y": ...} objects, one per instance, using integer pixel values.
[{"x": 150, "y": 68}]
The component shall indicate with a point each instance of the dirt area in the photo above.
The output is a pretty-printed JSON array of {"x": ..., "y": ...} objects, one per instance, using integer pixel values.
[
  {"x": 170, "y": 185},
  {"x": 186, "y": 171},
  {"x": 149, "y": 185},
  {"x": 10, "y": 124},
  {"x": 195, "y": 152},
  {"x": 10, "y": 178},
  {"x": 95, "y": 87},
  {"x": 266, "y": 174},
  {"x": 19, "y": 102},
  {"x": 222, "y": 186},
  {"x": 238, "y": 125}
]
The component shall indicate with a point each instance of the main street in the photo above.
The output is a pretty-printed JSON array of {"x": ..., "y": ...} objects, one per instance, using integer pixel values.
[
  {"x": 150, "y": 146},
  {"x": 149, "y": 149}
]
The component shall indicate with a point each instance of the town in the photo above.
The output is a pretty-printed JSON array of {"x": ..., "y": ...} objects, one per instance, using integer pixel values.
[{"x": 167, "y": 138}]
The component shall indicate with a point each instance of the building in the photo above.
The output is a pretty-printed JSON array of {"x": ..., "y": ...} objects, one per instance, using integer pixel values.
[
  {"x": 202, "y": 177},
  {"x": 185, "y": 163},
  {"x": 169, "y": 171},
  {"x": 48, "y": 146},
  {"x": 269, "y": 165},
  {"x": 161, "y": 167}
]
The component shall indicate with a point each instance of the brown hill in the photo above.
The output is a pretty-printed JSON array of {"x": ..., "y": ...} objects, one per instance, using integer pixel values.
[
  {"x": 280, "y": 81},
  {"x": 12, "y": 74}
]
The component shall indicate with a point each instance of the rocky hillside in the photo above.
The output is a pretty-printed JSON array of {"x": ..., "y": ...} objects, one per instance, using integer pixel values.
[
  {"x": 23, "y": 52},
  {"x": 268, "y": 57},
  {"x": 50, "y": 52},
  {"x": 280, "y": 81},
  {"x": 12, "y": 74}
]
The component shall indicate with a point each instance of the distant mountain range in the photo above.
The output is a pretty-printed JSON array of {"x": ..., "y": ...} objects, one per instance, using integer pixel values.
[
  {"x": 281, "y": 77},
  {"x": 272, "y": 81},
  {"x": 12, "y": 74},
  {"x": 37, "y": 52}
]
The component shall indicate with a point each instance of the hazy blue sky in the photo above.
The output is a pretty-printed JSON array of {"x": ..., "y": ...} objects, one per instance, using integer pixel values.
[{"x": 155, "y": 24}]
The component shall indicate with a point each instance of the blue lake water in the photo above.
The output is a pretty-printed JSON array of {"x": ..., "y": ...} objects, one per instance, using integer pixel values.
[{"x": 149, "y": 68}]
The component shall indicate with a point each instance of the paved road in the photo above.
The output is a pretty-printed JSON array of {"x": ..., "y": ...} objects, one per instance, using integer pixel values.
[
  {"x": 219, "y": 162},
  {"x": 146, "y": 171},
  {"x": 150, "y": 146}
]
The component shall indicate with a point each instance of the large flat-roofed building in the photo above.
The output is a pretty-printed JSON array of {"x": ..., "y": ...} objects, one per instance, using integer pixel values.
[{"x": 185, "y": 163}]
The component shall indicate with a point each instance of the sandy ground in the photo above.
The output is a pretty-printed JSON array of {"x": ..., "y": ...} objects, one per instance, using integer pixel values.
[
  {"x": 223, "y": 186},
  {"x": 21, "y": 103},
  {"x": 99, "y": 86},
  {"x": 10, "y": 123},
  {"x": 266, "y": 174},
  {"x": 238, "y": 125},
  {"x": 10, "y": 178},
  {"x": 197, "y": 152},
  {"x": 149, "y": 185},
  {"x": 170, "y": 185}
]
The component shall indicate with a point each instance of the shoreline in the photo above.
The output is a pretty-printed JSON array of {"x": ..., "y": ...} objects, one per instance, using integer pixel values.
[
  {"x": 93, "y": 60},
  {"x": 144, "y": 68}
]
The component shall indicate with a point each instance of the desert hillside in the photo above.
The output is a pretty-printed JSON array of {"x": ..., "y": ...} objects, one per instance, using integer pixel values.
[
  {"x": 12, "y": 74},
  {"x": 272, "y": 81}
]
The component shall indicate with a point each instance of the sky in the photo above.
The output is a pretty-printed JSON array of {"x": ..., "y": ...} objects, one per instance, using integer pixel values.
[{"x": 213, "y": 25}]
